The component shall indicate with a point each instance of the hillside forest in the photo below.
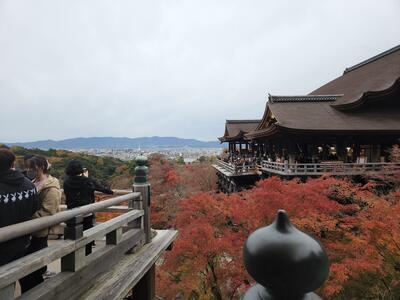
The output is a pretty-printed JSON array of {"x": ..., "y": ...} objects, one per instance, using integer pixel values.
[{"x": 357, "y": 221}]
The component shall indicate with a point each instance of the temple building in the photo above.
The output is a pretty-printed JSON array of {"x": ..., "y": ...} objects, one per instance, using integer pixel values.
[
  {"x": 346, "y": 127},
  {"x": 233, "y": 174}
]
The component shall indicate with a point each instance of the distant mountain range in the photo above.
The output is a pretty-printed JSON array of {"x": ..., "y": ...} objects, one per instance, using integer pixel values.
[{"x": 118, "y": 142}]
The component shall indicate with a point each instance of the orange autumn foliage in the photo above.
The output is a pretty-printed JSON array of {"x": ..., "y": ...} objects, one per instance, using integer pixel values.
[
  {"x": 359, "y": 230},
  {"x": 357, "y": 223},
  {"x": 172, "y": 182}
]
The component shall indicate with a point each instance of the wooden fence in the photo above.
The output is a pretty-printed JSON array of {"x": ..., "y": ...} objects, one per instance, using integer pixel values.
[
  {"x": 123, "y": 260},
  {"x": 237, "y": 169},
  {"x": 334, "y": 168}
]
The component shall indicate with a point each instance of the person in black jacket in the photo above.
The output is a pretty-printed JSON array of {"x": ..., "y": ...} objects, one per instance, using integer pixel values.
[
  {"x": 79, "y": 190},
  {"x": 18, "y": 202}
]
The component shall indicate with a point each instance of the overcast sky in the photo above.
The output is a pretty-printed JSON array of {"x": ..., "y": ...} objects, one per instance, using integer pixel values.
[{"x": 170, "y": 67}]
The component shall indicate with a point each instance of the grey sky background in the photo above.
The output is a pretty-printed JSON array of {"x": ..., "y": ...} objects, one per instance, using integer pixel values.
[{"x": 169, "y": 67}]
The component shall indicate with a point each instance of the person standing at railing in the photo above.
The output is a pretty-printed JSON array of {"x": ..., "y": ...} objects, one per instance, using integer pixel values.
[
  {"x": 49, "y": 195},
  {"x": 18, "y": 202},
  {"x": 79, "y": 190}
]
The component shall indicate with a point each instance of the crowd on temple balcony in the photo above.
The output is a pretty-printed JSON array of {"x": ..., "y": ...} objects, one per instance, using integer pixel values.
[
  {"x": 237, "y": 159},
  {"x": 319, "y": 154},
  {"x": 31, "y": 192}
]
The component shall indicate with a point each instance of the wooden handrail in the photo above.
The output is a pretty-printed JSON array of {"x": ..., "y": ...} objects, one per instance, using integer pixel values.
[
  {"x": 28, "y": 227},
  {"x": 125, "y": 250},
  {"x": 13, "y": 271},
  {"x": 237, "y": 168},
  {"x": 339, "y": 168}
]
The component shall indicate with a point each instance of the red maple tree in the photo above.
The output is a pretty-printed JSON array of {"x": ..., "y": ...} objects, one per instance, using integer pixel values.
[{"x": 358, "y": 228}]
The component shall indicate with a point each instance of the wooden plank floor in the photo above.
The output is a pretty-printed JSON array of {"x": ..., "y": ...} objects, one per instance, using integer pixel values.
[{"x": 116, "y": 283}]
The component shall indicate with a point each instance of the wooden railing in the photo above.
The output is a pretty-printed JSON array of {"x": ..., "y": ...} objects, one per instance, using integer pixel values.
[
  {"x": 237, "y": 169},
  {"x": 334, "y": 168},
  {"x": 122, "y": 263}
]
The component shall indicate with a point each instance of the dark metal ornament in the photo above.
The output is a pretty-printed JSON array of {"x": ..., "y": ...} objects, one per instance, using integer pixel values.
[
  {"x": 287, "y": 263},
  {"x": 141, "y": 170}
]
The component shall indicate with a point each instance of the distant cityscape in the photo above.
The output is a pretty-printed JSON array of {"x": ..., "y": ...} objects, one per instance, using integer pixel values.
[
  {"x": 125, "y": 148},
  {"x": 189, "y": 154}
]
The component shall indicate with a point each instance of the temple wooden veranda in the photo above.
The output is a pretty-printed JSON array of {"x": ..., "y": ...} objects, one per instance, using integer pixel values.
[
  {"x": 345, "y": 128},
  {"x": 122, "y": 264}
]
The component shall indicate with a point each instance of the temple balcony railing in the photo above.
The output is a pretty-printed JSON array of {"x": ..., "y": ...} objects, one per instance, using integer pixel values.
[
  {"x": 122, "y": 263},
  {"x": 234, "y": 169},
  {"x": 334, "y": 168}
]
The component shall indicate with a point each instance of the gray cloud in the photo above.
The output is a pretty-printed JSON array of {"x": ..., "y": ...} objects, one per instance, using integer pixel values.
[{"x": 176, "y": 68}]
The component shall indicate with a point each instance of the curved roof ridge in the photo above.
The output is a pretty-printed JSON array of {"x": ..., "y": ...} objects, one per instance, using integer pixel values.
[
  {"x": 369, "y": 60},
  {"x": 374, "y": 93},
  {"x": 375, "y": 74},
  {"x": 243, "y": 121},
  {"x": 303, "y": 98}
]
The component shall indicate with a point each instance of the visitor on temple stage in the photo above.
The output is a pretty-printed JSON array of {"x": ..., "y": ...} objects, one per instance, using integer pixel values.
[
  {"x": 18, "y": 202},
  {"x": 79, "y": 190},
  {"x": 49, "y": 195}
]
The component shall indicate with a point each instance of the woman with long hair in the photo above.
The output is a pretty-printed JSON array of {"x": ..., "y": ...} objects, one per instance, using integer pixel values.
[{"x": 49, "y": 196}]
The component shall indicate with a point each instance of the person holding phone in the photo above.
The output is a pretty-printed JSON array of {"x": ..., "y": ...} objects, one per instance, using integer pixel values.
[{"x": 79, "y": 190}]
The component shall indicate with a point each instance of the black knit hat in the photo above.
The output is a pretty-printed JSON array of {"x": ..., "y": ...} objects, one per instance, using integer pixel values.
[{"x": 74, "y": 168}]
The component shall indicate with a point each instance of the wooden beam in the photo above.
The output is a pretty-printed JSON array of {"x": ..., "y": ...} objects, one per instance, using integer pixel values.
[
  {"x": 117, "y": 209},
  {"x": 7, "y": 292},
  {"x": 70, "y": 285},
  {"x": 28, "y": 227},
  {"x": 114, "y": 237},
  {"x": 74, "y": 260},
  {"x": 145, "y": 191},
  {"x": 19, "y": 268},
  {"x": 146, "y": 287},
  {"x": 102, "y": 229},
  {"x": 121, "y": 279}
]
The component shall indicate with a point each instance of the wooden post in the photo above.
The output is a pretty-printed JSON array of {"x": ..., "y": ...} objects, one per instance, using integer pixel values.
[
  {"x": 136, "y": 203},
  {"x": 142, "y": 186},
  {"x": 74, "y": 261},
  {"x": 114, "y": 237},
  {"x": 144, "y": 189},
  {"x": 286, "y": 166},
  {"x": 145, "y": 289}
]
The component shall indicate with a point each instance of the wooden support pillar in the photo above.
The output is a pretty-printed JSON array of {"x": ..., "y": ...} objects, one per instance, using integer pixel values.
[
  {"x": 376, "y": 153},
  {"x": 75, "y": 260},
  {"x": 145, "y": 289},
  {"x": 114, "y": 237},
  {"x": 340, "y": 150},
  {"x": 291, "y": 149},
  {"x": 357, "y": 150},
  {"x": 144, "y": 189},
  {"x": 137, "y": 204},
  {"x": 142, "y": 186}
]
